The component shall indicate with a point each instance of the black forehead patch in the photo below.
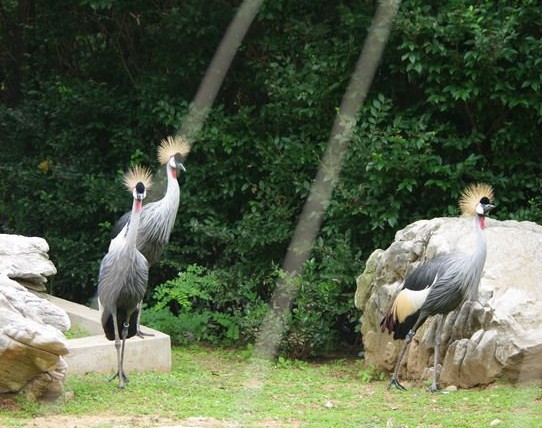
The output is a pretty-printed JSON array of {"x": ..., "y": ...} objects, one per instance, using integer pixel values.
[
  {"x": 178, "y": 158},
  {"x": 484, "y": 200},
  {"x": 140, "y": 187}
]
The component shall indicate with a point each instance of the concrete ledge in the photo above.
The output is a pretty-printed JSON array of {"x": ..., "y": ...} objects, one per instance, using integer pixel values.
[{"x": 97, "y": 354}]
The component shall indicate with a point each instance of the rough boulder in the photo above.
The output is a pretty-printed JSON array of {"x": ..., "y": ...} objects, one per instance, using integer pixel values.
[
  {"x": 498, "y": 335},
  {"x": 32, "y": 342}
]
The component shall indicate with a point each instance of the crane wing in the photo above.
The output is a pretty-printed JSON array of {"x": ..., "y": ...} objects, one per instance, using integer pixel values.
[
  {"x": 425, "y": 274},
  {"x": 119, "y": 225}
]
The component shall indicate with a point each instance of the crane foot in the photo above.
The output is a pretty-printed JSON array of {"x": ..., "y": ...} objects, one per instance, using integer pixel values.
[
  {"x": 141, "y": 334},
  {"x": 434, "y": 388},
  {"x": 395, "y": 383},
  {"x": 124, "y": 378},
  {"x": 120, "y": 385}
]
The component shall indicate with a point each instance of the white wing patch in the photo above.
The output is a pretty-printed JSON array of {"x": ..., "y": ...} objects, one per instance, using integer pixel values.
[{"x": 408, "y": 301}]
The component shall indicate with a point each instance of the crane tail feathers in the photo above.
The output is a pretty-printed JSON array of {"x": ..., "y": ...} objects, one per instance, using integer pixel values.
[
  {"x": 109, "y": 326},
  {"x": 388, "y": 323},
  {"x": 390, "y": 320}
]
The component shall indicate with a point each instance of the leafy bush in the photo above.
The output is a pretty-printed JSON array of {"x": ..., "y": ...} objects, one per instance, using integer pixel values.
[{"x": 185, "y": 309}]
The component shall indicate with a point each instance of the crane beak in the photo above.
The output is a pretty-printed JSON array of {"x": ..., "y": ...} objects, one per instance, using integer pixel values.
[
  {"x": 177, "y": 162},
  {"x": 487, "y": 208}
]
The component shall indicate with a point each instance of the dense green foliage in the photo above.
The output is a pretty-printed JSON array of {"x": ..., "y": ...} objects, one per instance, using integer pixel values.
[{"x": 90, "y": 86}]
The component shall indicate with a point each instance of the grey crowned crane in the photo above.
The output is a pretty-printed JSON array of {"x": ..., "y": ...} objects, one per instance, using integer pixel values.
[
  {"x": 123, "y": 275},
  {"x": 441, "y": 284}
]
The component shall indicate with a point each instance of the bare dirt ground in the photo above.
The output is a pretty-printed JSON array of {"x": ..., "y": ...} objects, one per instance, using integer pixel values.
[
  {"x": 99, "y": 421},
  {"x": 112, "y": 421}
]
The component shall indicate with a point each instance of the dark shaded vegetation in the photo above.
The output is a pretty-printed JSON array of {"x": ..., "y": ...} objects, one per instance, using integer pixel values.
[{"x": 88, "y": 87}]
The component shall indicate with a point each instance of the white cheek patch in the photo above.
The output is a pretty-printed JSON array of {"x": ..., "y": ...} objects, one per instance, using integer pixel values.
[
  {"x": 479, "y": 209},
  {"x": 172, "y": 163}
]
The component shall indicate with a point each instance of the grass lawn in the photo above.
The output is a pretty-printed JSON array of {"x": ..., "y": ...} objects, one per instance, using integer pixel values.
[{"x": 214, "y": 387}]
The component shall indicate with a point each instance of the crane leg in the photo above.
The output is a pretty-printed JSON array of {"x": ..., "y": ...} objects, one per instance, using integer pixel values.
[
  {"x": 118, "y": 348},
  {"x": 122, "y": 375},
  {"x": 394, "y": 377},
  {"x": 438, "y": 334},
  {"x": 139, "y": 331}
]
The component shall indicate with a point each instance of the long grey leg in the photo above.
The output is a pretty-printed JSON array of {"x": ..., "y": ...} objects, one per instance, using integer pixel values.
[
  {"x": 139, "y": 331},
  {"x": 122, "y": 375},
  {"x": 118, "y": 348},
  {"x": 438, "y": 334},
  {"x": 394, "y": 377}
]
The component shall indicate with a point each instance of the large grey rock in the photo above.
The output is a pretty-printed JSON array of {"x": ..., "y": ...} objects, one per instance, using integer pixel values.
[
  {"x": 497, "y": 336},
  {"x": 32, "y": 343},
  {"x": 26, "y": 260}
]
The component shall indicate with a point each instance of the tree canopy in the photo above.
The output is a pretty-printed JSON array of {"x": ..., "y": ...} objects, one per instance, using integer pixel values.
[{"x": 90, "y": 86}]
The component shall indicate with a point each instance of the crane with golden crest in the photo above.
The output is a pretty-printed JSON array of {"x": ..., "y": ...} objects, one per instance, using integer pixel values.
[
  {"x": 441, "y": 284},
  {"x": 124, "y": 274},
  {"x": 158, "y": 218}
]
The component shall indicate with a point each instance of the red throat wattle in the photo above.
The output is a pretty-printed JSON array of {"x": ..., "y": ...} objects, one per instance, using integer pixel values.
[
  {"x": 173, "y": 172},
  {"x": 138, "y": 205},
  {"x": 482, "y": 221}
]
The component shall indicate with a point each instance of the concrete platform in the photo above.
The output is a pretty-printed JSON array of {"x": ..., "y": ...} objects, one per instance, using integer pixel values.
[{"x": 95, "y": 353}]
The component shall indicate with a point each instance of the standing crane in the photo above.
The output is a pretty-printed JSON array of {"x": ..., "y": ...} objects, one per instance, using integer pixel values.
[
  {"x": 157, "y": 218},
  {"x": 442, "y": 284},
  {"x": 123, "y": 275}
]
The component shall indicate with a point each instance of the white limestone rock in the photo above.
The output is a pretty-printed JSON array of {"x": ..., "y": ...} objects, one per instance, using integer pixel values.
[
  {"x": 26, "y": 260},
  {"x": 497, "y": 336},
  {"x": 22, "y": 303},
  {"x": 32, "y": 343}
]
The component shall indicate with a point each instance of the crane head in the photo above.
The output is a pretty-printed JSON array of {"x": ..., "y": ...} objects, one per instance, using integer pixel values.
[
  {"x": 139, "y": 191},
  {"x": 484, "y": 206},
  {"x": 173, "y": 151},
  {"x": 176, "y": 162},
  {"x": 137, "y": 180},
  {"x": 476, "y": 200}
]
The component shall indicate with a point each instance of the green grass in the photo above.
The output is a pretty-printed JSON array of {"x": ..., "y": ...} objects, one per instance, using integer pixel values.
[
  {"x": 226, "y": 385},
  {"x": 76, "y": 333}
]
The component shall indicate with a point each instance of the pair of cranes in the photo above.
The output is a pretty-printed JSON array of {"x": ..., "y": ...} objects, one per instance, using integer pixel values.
[
  {"x": 139, "y": 238},
  {"x": 438, "y": 286}
]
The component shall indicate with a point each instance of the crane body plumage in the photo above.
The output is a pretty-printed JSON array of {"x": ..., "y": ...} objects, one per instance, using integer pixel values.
[
  {"x": 440, "y": 285},
  {"x": 126, "y": 287},
  {"x": 157, "y": 221},
  {"x": 123, "y": 276}
]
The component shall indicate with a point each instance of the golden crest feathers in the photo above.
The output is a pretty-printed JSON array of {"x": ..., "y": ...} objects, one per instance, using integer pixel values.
[
  {"x": 472, "y": 195},
  {"x": 170, "y": 146},
  {"x": 135, "y": 175}
]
